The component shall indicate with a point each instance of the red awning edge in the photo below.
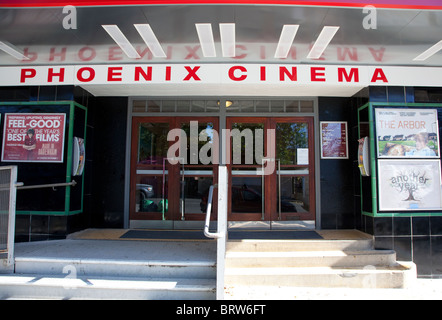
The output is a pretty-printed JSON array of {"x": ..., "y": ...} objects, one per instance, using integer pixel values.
[{"x": 391, "y": 4}]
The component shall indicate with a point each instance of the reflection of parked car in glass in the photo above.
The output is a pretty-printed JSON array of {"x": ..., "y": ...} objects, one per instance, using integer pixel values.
[
  {"x": 245, "y": 199},
  {"x": 144, "y": 191}
]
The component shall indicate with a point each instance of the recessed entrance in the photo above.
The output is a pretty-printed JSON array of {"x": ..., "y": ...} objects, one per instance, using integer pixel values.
[{"x": 270, "y": 162}]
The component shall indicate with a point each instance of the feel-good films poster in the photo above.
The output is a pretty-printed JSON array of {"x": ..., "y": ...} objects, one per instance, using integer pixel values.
[{"x": 35, "y": 137}]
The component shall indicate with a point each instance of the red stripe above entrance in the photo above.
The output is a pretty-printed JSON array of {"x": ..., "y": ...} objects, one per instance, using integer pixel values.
[{"x": 393, "y": 4}]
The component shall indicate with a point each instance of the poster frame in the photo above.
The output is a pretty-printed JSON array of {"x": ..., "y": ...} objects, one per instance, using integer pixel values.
[
  {"x": 343, "y": 138},
  {"x": 404, "y": 141},
  {"x": 62, "y": 138},
  {"x": 385, "y": 197}
]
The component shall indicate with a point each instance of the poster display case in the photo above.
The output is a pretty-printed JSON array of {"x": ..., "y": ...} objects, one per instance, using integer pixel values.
[
  {"x": 404, "y": 157},
  {"x": 407, "y": 133},
  {"x": 31, "y": 137},
  {"x": 334, "y": 141},
  {"x": 46, "y": 140},
  {"x": 409, "y": 185}
]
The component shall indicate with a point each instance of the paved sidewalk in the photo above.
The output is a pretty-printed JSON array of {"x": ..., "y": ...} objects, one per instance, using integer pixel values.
[{"x": 423, "y": 289}]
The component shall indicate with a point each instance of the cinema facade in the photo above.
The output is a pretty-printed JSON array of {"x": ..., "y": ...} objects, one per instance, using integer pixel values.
[{"x": 351, "y": 93}]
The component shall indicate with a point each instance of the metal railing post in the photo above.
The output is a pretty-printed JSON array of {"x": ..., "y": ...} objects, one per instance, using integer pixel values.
[
  {"x": 7, "y": 263},
  {"x": 12, "y": 206},
  {"x": 221, "y": 234},
  {"x": 222, "y": 229}
]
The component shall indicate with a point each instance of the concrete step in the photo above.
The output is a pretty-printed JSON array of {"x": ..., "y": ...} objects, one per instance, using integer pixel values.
[
  {"x": 38, "y": 286},
  {"x": 330, "y": 262},
  {"x": 116, "y": 267},
  {"x": 299, "y": 259},
  {"x": 106, "y": 269},
  {"x": 298, "y": 245},
  {"x": 399, "y": 276}
]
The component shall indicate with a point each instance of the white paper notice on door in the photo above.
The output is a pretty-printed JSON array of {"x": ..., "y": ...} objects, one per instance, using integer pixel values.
[{"x": 302, "y": 156}]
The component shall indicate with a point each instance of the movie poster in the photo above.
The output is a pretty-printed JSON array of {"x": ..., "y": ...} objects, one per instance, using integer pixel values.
[
  {"x": 33, "y": 137},
  {"x": 407, "y": 133},
  {"x": 409, "y": 185},
  {"x": 334, "y": 143}
]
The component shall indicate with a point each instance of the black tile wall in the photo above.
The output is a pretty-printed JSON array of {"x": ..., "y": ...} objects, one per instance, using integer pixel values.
[
  {"x": 338, "y": 177},
  {"x": 421, "y": 226},
  {"x": 403, "y": 248},
  {"x": 422, "y": 255},
  {"x": 436, "y": 255},
  {"x": 417, "y": 239}
]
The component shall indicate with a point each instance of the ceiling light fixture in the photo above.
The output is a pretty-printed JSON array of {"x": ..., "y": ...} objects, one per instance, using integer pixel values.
[
  {"x": 151, "y": 40},
  {"x": 322, "y": 42},
  {"x": 205, "y": 36},
  {"x": 121, "y": 40},
  {"x": 228, "y": 103},
  {"x": 12, "y": 50},
  {"x": 288, "y": 34},
  {"x": 430, "y": 52},
  {"x": 228, "y": 41}
]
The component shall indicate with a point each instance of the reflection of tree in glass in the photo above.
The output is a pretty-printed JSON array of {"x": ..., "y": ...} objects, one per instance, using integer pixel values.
[
  {"x": 153, "y": 142},
  {"x": 290, "y": 137},
  {"x": 193, "y": 135}
]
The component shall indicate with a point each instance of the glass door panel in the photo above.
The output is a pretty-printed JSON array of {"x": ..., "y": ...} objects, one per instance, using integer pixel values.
[
  {"x": 196, "y": 194},
  {"x": 245, "y": 153},
  {"x": 292, "y": 143},
  {"x": 295, "y": 176},
  {"x": 200, "y": 169},
  {"x": 286, "y": 193},
  {"x": 149, "y": 197},
  {"x": 200, "y": 142},
  {"x": 161, "y": 187},
  {"x": 247, "y": 195},
  {"x": 246, "y": 143},
  {"x": 152, "y": 143},
  {"x": 295, "y": 197}
]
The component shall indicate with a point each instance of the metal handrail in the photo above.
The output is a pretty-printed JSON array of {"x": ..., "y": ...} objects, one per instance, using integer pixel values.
[
  {"x": 52, "y": 185},
  {"x": 208, "y": 234},
  {"x": 279, "y": 187}
]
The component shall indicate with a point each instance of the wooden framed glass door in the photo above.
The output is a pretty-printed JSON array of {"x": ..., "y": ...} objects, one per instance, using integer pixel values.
[
  {"x": 286, "y": 193},
  {"x": 294, "y": 179},
  {"x": 167, "y": 186}
]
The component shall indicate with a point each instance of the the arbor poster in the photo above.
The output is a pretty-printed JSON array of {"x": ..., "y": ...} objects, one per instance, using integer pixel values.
[{"x": 407, "y": 133}]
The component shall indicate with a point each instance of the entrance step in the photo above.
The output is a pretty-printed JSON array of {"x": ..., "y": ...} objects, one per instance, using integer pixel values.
[
  {"x": 105, "y": 269},
  {"x": 116, "y": 268},
  {"x": 398, "y": 276},
  {"x": 37, "y": 286},
  {"x": 295, "y": 259},
  {"x": 298, "y": 245},
  {"x": 315, "y": 263}
]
